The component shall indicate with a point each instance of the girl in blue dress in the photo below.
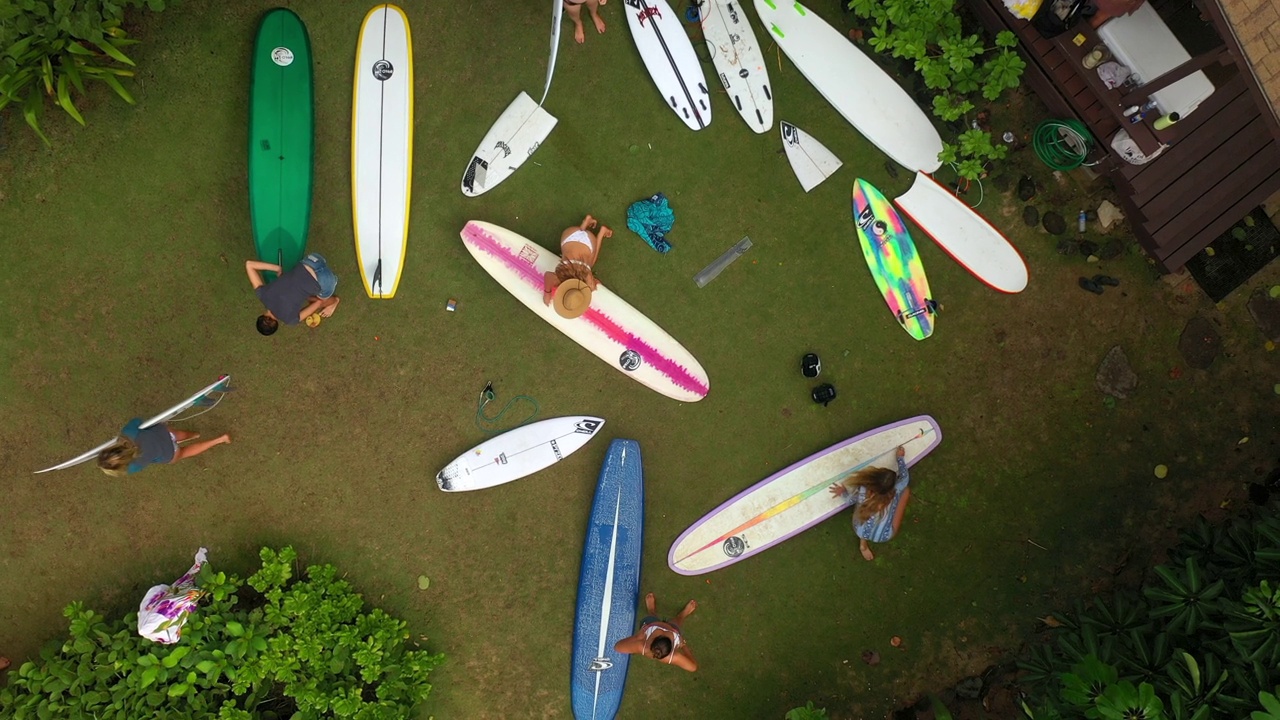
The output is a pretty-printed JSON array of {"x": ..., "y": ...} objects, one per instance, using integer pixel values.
[{"x": 879, "y": 497}]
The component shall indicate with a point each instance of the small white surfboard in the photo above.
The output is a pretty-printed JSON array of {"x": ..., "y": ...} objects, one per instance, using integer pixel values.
[
  {"x": 382, "y": 148},
  {"x": 810, "y": 159},
  {"x": 518, "y": 453},
  {"x": 220, "y": 386},
  {"x": 738, "y": 61},
  {"x": 855, "y": 86},
  {"x": 668, "y": 55},
  {"x": 611, "y": 329},
  {"x": 518, "y": 132},
  {"x": 968, "y": 238}
]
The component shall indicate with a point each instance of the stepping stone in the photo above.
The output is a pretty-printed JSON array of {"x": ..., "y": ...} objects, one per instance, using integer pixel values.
[
  {"x": 1053, "y": 223},
  {"x": 1199, "y": 343},
  {"x": 1266, "y": 314},
  {"x": 969, "y": 688},
  {"x": 1115, "y": 376},
  {"x": 1031, "y": 216},
  {"x": 1068, "y": 247},
  {"x": 1111, "y": 249},
  {"x": 1026, "y": 188},
  {"x": 1088, "y": 247},
  {"x": 1108, "y": 215}
]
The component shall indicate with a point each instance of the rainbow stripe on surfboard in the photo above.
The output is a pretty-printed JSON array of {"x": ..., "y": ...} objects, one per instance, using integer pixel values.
[
  {"x": 892, "y": 258},
  {"x": 794, "y": 499},
  {"x": 611, "y": 329}
]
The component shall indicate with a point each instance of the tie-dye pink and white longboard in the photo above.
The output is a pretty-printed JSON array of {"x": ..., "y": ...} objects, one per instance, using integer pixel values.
[{"x": 611, "y": 329}]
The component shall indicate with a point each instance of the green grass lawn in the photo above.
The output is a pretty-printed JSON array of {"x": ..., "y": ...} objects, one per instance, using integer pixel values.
[{"x": 122, "y": 289}]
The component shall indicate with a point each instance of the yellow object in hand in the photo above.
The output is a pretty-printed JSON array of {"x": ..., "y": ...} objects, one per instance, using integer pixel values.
[{"x": 313, "y": 320}]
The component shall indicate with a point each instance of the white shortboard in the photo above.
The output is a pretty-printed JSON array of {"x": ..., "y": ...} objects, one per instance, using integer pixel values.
[
  {"x": 220, "y": 386},
  {"x": 794, "y": 499},
  {"x": 610, "y": 329},
  {"x": 668, "y": 55},
  {"x": 810, "y": 159},
  {"x": 855, "y": 86},
  {"x": 738, "y": 61},
  {"x": 518, "y": 453},
  {"x": 382, "y": 148},
  {"x": 968, "y": 238},
  {"x": 519, "y": 131}
]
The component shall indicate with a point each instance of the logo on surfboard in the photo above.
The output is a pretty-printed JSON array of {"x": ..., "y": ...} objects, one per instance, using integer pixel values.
[
  {"x": 282, "y": 56},
  {"x": 383, "y": 70},
  {"x": 629, "y": 360},
  {"x": 734, "y": 546},
  {"x": 600, "y": 664},
  {"x": 868, "y": 222},
  {"x": 586, "y": 427},
  {"x": 646, "y": 12}
]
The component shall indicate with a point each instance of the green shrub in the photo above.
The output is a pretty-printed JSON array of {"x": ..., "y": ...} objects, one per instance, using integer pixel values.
[
  {"x": 53, "y": 48},
  {"x": 808, "y": 712},
  {"x": 283, "y": 647},
  {"x": 955, "y": 66},
  {"x": 1202, "y": 639}
]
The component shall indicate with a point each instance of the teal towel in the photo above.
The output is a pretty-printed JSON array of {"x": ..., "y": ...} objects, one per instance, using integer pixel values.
[{"x": 652, "y": 219}]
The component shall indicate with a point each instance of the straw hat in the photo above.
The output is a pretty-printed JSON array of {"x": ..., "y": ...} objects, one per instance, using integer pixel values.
[{"x": 572, "y": 298}]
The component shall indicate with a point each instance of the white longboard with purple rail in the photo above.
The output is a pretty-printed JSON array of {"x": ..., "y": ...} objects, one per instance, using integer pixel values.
[
  {"x": 611, "y": 329},
  {"x": 795, "y": 499}
]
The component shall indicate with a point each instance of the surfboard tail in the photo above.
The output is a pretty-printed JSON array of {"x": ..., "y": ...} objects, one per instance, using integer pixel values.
[{"x": 964, "y": 234}]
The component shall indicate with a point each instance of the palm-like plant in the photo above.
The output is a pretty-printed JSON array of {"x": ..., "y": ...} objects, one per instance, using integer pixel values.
[{"x": 52, "y": 49}]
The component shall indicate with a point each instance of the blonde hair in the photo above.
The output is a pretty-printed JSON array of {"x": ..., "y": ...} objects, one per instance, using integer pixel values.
[
  {"x": 567, "y": 270},
  {"x": 879, "y": 483},
  {"x": 115, "y": 459}
]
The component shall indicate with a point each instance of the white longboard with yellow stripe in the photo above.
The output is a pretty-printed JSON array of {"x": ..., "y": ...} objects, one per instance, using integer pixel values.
[{"x": 382, "y": 148}]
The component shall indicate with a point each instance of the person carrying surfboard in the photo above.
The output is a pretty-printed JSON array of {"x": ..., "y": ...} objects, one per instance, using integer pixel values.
[
  {"x": 880, "y": 497},
  {"x": 295, "y": 295},
  {"x": 575, "y": 14},
  {"x": 659, "y": 639},
  {"x": 573, "y": 279},
  {"x": 138, "y": 447}
]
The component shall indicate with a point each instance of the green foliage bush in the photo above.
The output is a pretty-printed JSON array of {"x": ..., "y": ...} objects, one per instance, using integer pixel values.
[
  {"x": 1200, "y": 641},
  {"x": 52, "y": 48},
  {"x": 953, "y": 65},
  {"x": 284, "y": 647}
]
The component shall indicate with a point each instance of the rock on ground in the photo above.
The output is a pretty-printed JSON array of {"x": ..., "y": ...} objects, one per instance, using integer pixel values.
[
  {"x": 1053, "y": 223},
  {"x": 1199, "y": 343},
  {"x": 1115, "y": 376},
  {"x": 1108, "y": 215}
]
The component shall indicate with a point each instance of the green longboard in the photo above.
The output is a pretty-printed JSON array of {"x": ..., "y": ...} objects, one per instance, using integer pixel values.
[{"x": 281, "y": 139}]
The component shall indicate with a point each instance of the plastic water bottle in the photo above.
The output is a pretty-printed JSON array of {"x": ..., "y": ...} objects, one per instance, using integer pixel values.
[{"x": 1081, "y": 219}]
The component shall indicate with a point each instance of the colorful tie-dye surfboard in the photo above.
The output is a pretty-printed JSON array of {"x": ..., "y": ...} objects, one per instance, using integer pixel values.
[
  {"x": 892, "y": 258},
  {"x": 611, "y": 329}
]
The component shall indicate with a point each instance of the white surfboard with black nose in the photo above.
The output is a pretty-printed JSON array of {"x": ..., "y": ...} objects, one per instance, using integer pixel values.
[{"x": 669, "y": 57}]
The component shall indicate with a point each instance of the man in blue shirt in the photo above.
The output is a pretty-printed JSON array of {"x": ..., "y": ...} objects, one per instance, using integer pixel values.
[{"x": 295, "y": 295}]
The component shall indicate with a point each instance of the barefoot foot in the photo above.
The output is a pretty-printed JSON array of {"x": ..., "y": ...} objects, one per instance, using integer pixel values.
[
  {"x": 866, "y": 551},
  {"x": 224, "y": 440},
  {"x": 599, "y": 23},
  {"x": 650, "y": 604},
  {"x": 578, "y": 34},
  {"x": 689, "y": 608},
  {"x": 328, "y": 312}
]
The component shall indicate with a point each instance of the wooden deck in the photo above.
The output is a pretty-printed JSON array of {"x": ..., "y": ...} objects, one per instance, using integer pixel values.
[{"x": 1223, "y": 161}]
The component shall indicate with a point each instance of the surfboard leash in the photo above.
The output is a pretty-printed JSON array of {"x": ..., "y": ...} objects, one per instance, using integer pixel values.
[{"x": 487, "y": 396}]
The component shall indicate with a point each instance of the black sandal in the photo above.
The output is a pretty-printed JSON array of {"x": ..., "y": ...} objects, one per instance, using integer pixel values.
[
  {"x": 1091, "y": 286},
  {"x": 1106, "y": 280}
]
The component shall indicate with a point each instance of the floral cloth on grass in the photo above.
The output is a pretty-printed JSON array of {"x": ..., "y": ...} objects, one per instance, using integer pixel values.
[
  {"x": 652, "y": 219},
  {"x": 165, "y": 608}
]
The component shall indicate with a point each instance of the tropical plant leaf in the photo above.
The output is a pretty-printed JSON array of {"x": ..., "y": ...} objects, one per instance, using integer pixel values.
[{"x": 64, "y": 99}]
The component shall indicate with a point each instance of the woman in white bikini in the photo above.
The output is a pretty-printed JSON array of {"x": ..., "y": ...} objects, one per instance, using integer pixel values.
[
  {"x": 661, "y": 640},
  {"x": 572, "y": 281}
]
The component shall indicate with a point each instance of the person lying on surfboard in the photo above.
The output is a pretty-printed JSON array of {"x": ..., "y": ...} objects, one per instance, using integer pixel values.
[
  {"x": 156, "y": 445},
  {"x": 571, "y": 283},
  {"x": 575, "y": 14},
  {"x": 880, "y": 497},
  {"x": 661, "y": 640},
  {"x": 296, "y": 295}
]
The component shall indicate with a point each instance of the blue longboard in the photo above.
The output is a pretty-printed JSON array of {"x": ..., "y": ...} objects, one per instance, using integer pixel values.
[{"x": 609, "y": 584}]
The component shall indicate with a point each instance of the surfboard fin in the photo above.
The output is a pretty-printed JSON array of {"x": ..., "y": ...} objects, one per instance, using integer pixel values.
[{"x": 377, "y": 277}]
